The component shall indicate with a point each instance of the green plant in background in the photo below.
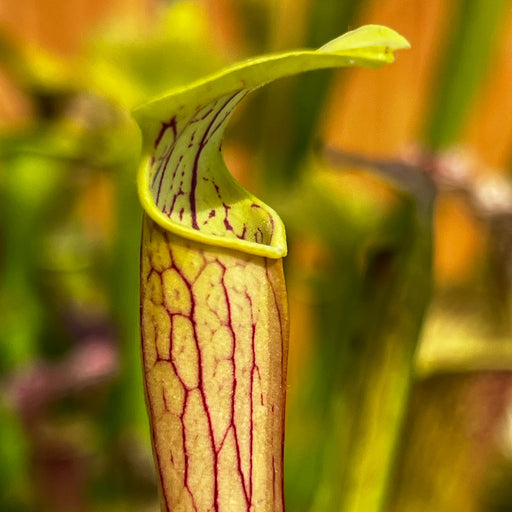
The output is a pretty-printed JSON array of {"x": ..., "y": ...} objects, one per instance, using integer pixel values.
[
  {"x": 471, "y": 41},
  {"x": 213, "y": 306},
  {"x": 356, "y": 387}
]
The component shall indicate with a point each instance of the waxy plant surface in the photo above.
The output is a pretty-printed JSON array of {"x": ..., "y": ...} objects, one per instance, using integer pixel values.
[{"x": 209, "y": 317}]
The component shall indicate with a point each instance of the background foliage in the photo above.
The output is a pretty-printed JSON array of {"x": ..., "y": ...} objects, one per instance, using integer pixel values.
[{"x": 394, "y": 185}]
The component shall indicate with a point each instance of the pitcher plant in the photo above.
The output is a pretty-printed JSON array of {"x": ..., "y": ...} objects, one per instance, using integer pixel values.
[{"x": 214, "y": 324}]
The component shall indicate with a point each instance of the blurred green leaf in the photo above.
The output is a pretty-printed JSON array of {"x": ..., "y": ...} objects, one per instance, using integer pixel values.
[
  {"x": 468, "y": 52},
  {"x": 15, "y": 488}
]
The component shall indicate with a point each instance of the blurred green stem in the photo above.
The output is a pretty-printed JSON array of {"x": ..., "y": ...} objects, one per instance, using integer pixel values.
[
  {"x": 129, "y": 411},
  {"x": 396, "y": 294},
  {"x": 472, "y": 40},
  {"x": 369, "y": 312},
  {"x": 287, "y": 138},
  {"x": 29, "y": 181}
]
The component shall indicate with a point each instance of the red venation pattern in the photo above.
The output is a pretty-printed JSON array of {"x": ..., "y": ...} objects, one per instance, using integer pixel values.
[{"x": 214, "y": 340}]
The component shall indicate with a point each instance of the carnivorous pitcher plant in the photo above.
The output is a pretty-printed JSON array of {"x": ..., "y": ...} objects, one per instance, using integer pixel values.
[{"x": 214, "y": 321}]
